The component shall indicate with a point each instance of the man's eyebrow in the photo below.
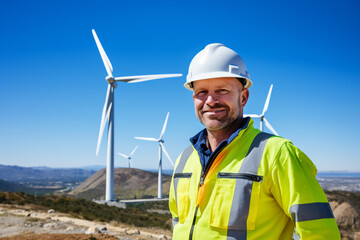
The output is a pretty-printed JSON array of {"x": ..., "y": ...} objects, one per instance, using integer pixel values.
[{"x": 223, "y": 86}]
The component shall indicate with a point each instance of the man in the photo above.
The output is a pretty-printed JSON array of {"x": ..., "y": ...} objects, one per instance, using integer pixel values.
[{"x": 234, "y": 181}]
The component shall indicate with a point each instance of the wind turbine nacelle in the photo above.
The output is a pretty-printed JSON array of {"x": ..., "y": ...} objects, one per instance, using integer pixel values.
[{"x": 111, "y": 81}]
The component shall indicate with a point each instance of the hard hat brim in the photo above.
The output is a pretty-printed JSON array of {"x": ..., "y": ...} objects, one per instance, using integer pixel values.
[{"x": 188, "y": 84}]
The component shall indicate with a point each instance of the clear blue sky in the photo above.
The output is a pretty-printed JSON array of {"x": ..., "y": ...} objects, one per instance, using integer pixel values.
[{"x": 53, "y": 80}]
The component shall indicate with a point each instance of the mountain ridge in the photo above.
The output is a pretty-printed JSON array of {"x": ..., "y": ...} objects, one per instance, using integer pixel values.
[{"x": 129, "y": 183}]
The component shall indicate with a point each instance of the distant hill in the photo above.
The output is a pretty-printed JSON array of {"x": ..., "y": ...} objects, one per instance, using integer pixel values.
[
  {"x": 93, "y": 167},
  {"x": 129, "y": 183},
  {"x": 16, "y": 173}
]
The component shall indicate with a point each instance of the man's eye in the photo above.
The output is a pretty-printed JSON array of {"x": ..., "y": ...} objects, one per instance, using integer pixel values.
[{"x": 200, "y": 93}]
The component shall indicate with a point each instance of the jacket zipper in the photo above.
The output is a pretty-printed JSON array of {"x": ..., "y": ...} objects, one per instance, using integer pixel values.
[
  {"x": 202, "y": 178},
  {"x": 253, "y": 177},
  {"x": 193, "y": 225}
]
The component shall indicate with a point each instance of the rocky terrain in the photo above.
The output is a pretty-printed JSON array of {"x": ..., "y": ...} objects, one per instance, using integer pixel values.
[
  {"x": 346, "y": 209},
  {"x": 19, "y": 222}
]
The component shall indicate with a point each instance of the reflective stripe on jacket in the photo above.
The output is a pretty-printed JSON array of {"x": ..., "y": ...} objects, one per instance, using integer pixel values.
[{"x": 258, "y": 187}]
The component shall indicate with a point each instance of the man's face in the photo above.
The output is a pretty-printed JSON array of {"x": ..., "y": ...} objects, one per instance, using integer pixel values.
[{"x": 219, "y": 102}]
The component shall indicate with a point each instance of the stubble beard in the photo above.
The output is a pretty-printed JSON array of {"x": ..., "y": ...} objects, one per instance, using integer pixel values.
[{"x": 214, "y": 123}]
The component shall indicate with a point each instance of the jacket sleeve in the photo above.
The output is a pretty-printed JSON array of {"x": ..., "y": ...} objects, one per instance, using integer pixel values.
[
  {"x": 172, "y": 200},
  {"x": 301, "y": 197}
]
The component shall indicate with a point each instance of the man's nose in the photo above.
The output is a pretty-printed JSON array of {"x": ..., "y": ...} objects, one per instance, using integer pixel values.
[{"x": 212, "y": 99}]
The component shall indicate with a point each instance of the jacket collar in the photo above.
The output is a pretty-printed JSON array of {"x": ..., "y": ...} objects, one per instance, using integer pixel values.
[{"x": 199, "y": 140}]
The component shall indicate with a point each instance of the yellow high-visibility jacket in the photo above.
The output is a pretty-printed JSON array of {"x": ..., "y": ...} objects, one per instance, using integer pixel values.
[{"x": 259, "y": 186}]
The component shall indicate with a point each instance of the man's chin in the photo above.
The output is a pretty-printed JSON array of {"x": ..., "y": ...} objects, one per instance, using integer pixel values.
[{"x": 213, "y": 125}]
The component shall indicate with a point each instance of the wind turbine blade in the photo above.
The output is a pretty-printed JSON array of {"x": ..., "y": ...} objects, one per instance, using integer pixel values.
[
  {"x": 164, "y": 126},
  {"x": 167, "y": 155},
  {"x": 102, "y": 125},
  {"x": 142, "y": 78},
  {"x": 103, "y": 118},
  {"x": 123, "y": 155},
  {"x": 104, "y": 57},
  {"x": 267, "y": 100},
  {"x": 132, "y": 152},
  {"x": 148, "y": 139},
  {"x": 270, "y": 127},
  {"x": 108, "y": 92},
  {"x": 251, "y": 115}
]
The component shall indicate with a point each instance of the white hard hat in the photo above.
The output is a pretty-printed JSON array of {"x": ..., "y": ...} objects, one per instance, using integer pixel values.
[{"x": 214, "y": 61}]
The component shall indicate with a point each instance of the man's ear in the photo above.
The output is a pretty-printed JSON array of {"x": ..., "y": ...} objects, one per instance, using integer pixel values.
[{"x": 244, "y": 97}]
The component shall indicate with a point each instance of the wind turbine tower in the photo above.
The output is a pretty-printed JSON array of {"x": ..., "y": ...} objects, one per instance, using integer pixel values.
[
  {"x": 108, "y": 113},
  {"x": 262, "y": 116},
  {"x": 161, "y": 149}
]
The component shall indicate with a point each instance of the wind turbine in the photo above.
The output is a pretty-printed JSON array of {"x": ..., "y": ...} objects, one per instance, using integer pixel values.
[
  {"x": 128, "y": 157},
  {"x": 108, "y": 113},
  {"x": 161, "y": 148},
  {"x": 262, "y": 116}
]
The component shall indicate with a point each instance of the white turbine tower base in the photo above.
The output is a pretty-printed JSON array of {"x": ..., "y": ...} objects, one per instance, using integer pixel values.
[
  {"x": 128, "y": 157},
  {"x": 161, "y": 149},
  {"x": 108, "y": 113},
  {"x": 262, "y": 116}
]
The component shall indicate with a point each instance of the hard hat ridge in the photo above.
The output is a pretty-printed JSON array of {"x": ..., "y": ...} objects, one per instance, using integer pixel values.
[{"x": 214, "y": 61}]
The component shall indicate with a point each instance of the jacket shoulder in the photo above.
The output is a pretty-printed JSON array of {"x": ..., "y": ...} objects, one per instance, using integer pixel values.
[{"x": 282, "y": 152}]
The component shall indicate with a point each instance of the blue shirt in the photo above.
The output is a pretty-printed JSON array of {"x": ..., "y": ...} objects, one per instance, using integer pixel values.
[{"x": 199, "y": 143}]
